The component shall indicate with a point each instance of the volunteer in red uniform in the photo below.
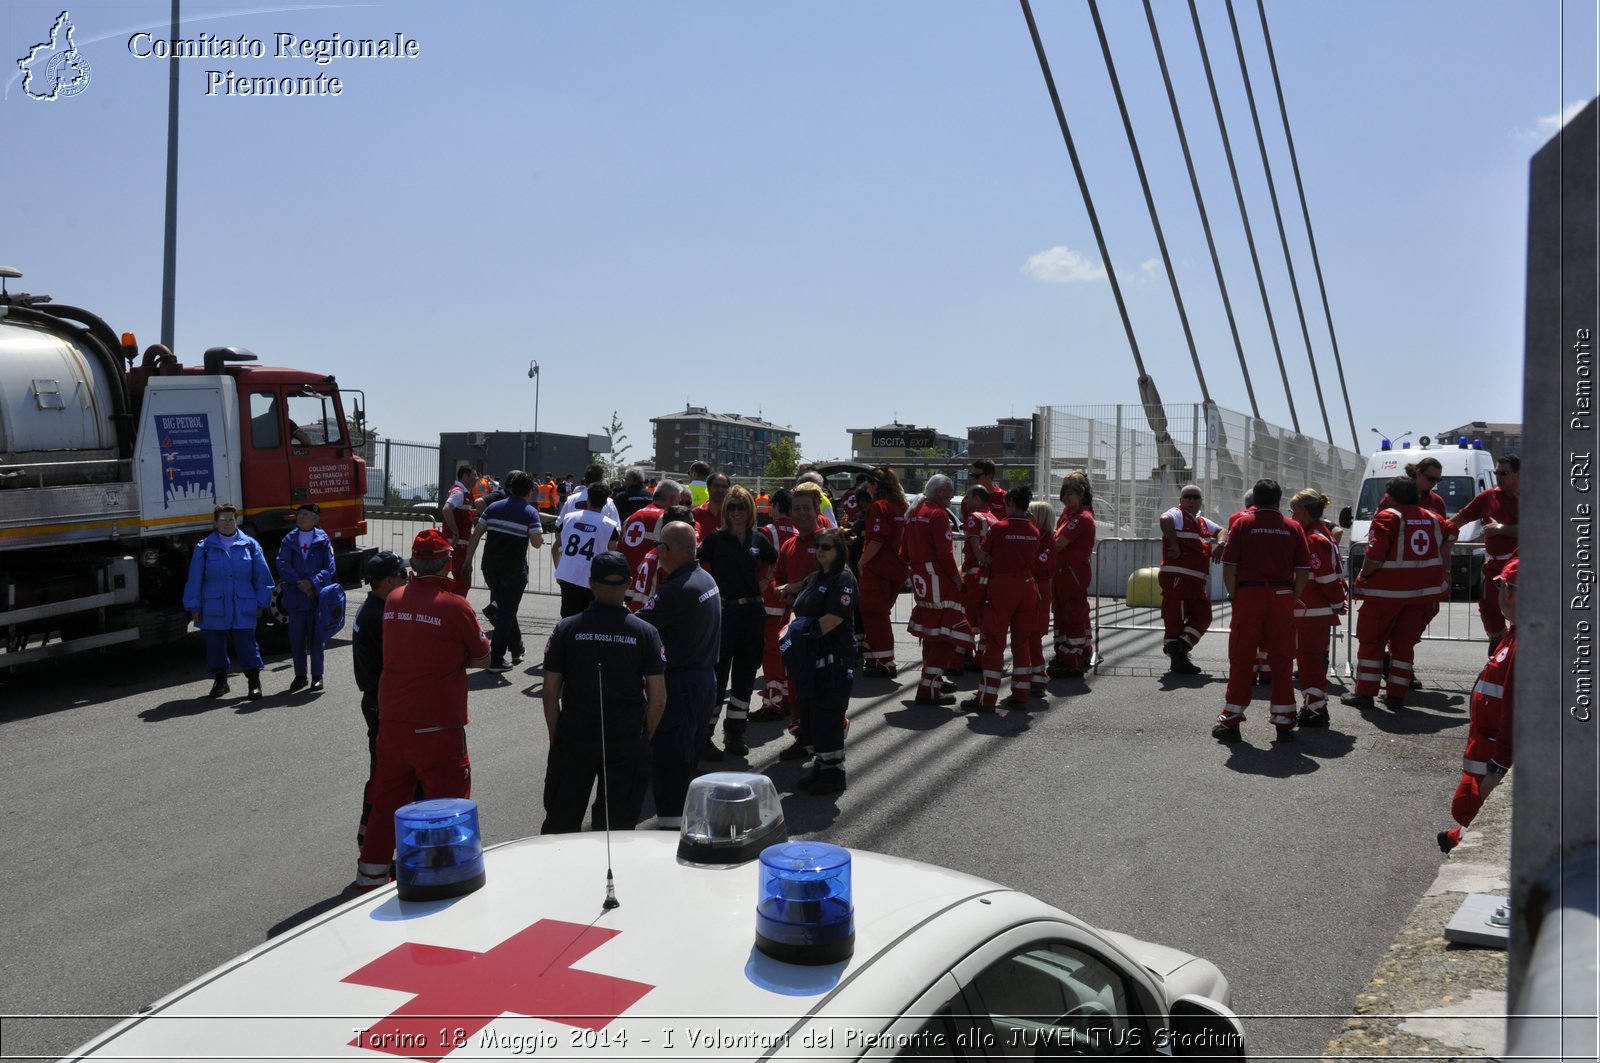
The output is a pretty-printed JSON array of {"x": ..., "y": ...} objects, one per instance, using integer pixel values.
[
  {"x": 708, "y": 514},
  {"x": 1186, "y": 539},
  {"x": 1265, "y": 567},
  {"x": 852, "y": 508},
  {"x": 1489, "y": 734},
  {"x": 1317, "y": 610},
  {"x": 456, "y": 517},
  {"x": 1497, "y": 508},
  {"x": 1013, "y": 549},
  {"x": 797, "y": 559},
  {"x": 647, "y": 574},
  {"x": 774, "y": 680},
  {"x": 883, "y": 570},
  {"x": 1425, "y": 473},
  {"x": 981, "y": 475},
  {"x": 1401, "y": 580},
  {"x": 430, "y": 638},
  {"x": 1069, "y": 586},
  {"x": 1043, "y": 516},
  {"x": 937, "y": 617},
  {"x": 639, "y": 529},
  {"x": 977, "y": 518}
]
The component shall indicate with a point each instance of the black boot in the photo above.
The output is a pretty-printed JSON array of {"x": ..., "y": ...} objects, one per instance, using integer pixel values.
[
  {"x": 733, "y": 738},
  {"x": 219, "y": 686},
  {"x": 253, "y": 685}
]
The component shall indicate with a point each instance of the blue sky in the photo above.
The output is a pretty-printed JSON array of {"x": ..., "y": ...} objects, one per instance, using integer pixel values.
[{"x": 835, "y": 214}]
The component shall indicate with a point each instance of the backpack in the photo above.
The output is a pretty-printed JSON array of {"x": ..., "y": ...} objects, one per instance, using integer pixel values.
[{"x": 330, "y": 611}]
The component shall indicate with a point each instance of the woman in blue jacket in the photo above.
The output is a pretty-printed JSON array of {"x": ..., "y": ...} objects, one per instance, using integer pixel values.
[
  {"x": 305, "y": 566},
  {"x": 229, "y": 585}
]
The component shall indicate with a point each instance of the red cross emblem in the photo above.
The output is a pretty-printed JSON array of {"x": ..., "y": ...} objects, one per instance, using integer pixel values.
[{"x": 529, "y": 973}]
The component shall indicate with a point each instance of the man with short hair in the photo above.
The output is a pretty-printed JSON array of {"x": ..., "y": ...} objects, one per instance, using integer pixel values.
[
  {"x": 982, "y": 473},
  {"x": 647, "y": 572},
  {"x": 1185, "y": 578},
  {"x": 603, "y": 699},
  {"x": 579, "y": 497},
  {"x": 507, "y": 528},
  {"x": 639, "y": 529},
  {"x": 455, "y": 517},
  {"x": 699, "y": 490},
  {"x": 708, "y": 515},
  {"x": 430, "y": 639},
  {"x": 634, "y": 495},
  {"x": 579, "y": 536},
  {"x": 1497, "y": 507},
  {"x": 386, "y": 573},
  {"x": 687, "y": 609}
]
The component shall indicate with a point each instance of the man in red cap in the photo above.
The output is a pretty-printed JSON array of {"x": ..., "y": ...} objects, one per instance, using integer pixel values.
[
  {"x": 430, "y": 638},
  {"x": 1489, "y": 750}
]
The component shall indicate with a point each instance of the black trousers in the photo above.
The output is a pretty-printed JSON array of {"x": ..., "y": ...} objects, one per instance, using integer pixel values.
[
  {"x": 744, "y": 638},
  {"x": 674, "y": 752},
  {"x": 571, "y": 773},
  {"x": 822, "y": 714},
  {"x": 574, "y": 599},
  {"x": 505, "y": 591}
]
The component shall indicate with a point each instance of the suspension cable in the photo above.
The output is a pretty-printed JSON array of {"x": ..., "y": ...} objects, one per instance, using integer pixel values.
[
  {"x": 1244, "y": 215},
  {"x": 1083, "y": 187},
  {"x": 1305, "y": 212},
  {"x": 1199, "y": 202},
  {"x": 1149, "y": 200},
  {"x": 1283, "y": 236}
]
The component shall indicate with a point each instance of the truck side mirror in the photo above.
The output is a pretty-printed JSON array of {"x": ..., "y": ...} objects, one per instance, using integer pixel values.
[{"x": 1344, "y": 517}]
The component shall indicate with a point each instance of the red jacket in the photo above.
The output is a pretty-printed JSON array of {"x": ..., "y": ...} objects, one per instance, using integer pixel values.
[
  {"x": 1074, "y": 540},
  {"x": 1013, "y": 550},
  {"x": 886, "y": 524},
  {"x": 1409, "y": 541},
  {"x": 1326, "y": 588}
]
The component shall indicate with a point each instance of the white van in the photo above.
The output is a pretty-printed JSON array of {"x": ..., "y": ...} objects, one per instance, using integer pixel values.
[{"x": 1466, "y": 470}]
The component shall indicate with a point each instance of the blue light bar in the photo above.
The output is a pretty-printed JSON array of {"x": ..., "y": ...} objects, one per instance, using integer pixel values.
[
  {"x": 438, "y": 849},
  {"x": 1462, "y": 442},
  {"x": 804, "y": 912},
  {"x": 1477, "y": 444},
  {"x": 1385, "y": 444},
  {"x": 1406, "y": 445}
]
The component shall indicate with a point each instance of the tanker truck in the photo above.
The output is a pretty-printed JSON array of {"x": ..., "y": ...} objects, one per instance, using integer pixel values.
[{"x": 111, "y": 463}]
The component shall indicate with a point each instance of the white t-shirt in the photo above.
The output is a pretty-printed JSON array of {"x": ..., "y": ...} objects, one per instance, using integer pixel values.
[
  {"x": 581, "y": 494},
  {"x": 580, "y": 535}
]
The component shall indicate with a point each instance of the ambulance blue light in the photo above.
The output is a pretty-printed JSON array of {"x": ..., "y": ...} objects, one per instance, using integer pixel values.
[
  {"x": 1462, "y": 442},
  {"x": 1406, "y": 445},
  {"x": 1385, "y": 445},
  {"x": 804, "y": 912},
  {"x": 438, "y": 849},
  {"x": 1477, "y": 444}
]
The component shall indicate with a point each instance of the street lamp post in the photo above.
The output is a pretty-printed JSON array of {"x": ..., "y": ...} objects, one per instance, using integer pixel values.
[{"x": 533, "y": 375}]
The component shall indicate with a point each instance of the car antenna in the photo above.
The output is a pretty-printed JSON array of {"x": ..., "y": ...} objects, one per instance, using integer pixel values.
[{"x": 611, "y": 886}]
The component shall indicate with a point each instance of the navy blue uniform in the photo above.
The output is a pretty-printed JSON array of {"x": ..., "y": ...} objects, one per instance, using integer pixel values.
[
  {"x": 507, "y": 526},
  {"x": 604, "y": 649},
  {"x": 824, "y": 691},
  {"x": 737, "y": 568},
  {"x": 687, "y": 610}
]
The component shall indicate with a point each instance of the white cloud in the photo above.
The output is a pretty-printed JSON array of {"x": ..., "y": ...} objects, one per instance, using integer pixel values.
[
  {"x": 1149, "y": 266},
  {"x": 1549, "y": 125},
  {"x": 1063, "y": 265}
]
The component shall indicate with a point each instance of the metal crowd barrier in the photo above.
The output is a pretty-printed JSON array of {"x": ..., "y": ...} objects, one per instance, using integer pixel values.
[
  {"x": 394, "y": 529},
  {"x": 1457, "y": 620}
]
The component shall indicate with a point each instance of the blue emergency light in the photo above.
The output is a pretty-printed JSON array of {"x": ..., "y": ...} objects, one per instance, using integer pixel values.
[
  {"x": 1477, "y": 444},
  {"x": 1385, "y": 445},
  {"x": 438, "y": 849},
  {"x": 804, "y": 913},
  {"x": 1461, "y": 442},
  {"x": 1406, "y": 445}
]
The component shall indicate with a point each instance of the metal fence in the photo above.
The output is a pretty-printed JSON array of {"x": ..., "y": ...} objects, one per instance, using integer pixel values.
[
  {"x": 1136, "y": 470},
  {"x": 399, "y": 472},
  {"x": 394, "y": 529}
]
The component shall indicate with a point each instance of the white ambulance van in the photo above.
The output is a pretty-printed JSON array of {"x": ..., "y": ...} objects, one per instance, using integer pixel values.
[{"x": 1466, "y": 470}]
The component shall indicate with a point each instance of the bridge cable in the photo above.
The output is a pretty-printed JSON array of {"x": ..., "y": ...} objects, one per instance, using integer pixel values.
[
  {"x": 1149, "y": 200},
  {"x": 1083, "y": 187},
  {"x": 1199, "y": 202},
  {"x": 1306, "y": 213},
  {"x": 1244, "y": 214},
  {"x": 1283, "y": 236}
]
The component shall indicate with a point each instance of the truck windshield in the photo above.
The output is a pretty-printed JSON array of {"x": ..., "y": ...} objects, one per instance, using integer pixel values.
[{"x": 1456, "y": 491}]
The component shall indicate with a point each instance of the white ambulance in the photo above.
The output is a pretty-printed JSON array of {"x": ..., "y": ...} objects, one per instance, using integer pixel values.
[{"x": 1466, "y": 469}]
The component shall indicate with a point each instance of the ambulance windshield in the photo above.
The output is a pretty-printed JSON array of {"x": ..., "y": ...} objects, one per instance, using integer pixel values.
[{"x": 1456, "y": 491}]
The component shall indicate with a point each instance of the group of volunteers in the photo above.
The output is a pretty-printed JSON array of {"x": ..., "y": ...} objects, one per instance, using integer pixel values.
[{"x": 674, "y": 596}]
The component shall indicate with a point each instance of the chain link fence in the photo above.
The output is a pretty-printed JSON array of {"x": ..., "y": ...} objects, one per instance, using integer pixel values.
[{"x": 400, "y": 473}]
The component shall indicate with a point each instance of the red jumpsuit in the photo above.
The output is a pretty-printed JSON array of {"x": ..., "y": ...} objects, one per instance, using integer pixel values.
[
  {"x": 976, "y": 524},
  {"x": 1010, "y": 606},
  {"x": 1267, "y": 551},
  {"x": 1399, "y": 599},
  {"x": 797, "y": 559},
  {"x": 639, "y": 535},
  {"x": 460, "y": 501},
  {"x": 1501, "y": 505},
  {"x": 1069, "y": 590},
  {"x": 706, "y": 520},
  {"x": 880, "y": 580},
  {"x": 1489, "y": 736},
  {"x": 1314, "y": 617},
  {"x": 937, "y": 618},
  {"x": 645, "y": 577},
  {"x": 1185, "y": 579},
  {"x": 774, "y": 678},
  {"x": 1043, "y": 567}
]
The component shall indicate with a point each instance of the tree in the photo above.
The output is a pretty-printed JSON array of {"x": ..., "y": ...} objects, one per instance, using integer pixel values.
[
  {"x": 617, "y": 462},
  {"x": 783, "y": 458}
]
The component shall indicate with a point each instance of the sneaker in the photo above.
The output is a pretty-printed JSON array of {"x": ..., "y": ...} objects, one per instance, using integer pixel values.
[
  {"x": 299, "y": 684},
  {"x": 316, "y": 685},
  {"x": 517, "y": 655},
  {"x": 829, "y": 781},
  {"x": 934, "y": 699},
  {"x": 1358, "y": 701},
  {"x": 498, "y": 666},
  {"x": 1285, "y": 734},
  {"x": 1223, "y": 733},
  {"x": 1313, "y": 719},
  {"x": 796, "y": 750}
]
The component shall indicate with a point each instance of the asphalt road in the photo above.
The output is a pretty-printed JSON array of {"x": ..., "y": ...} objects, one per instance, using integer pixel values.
[{"x": 155, "y": 834}]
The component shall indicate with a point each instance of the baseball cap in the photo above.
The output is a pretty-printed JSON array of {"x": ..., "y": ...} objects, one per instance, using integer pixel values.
[
  {"x": 430, "y": 543},
  {"x": 310, "y": 507},
  {"x": 382, "y": 565},
  {"x": 1509, "y": 573},
  {"x": 609, "y": 568}
]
